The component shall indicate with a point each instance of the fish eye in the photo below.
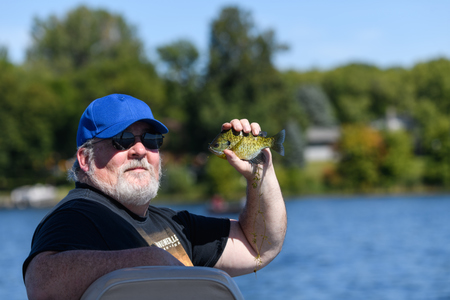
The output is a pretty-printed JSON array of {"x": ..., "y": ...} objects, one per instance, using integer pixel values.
[{"x": 216, "y": 145}]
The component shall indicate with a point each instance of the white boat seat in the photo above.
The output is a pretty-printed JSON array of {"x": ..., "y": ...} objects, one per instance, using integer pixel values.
[{"x": 164, "y": 283}]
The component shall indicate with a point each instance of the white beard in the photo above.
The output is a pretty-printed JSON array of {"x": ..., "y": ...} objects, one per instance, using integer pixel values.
[{"x": 130, "y": 188}]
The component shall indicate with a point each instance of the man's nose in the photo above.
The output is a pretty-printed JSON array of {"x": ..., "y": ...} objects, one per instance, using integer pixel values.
[{"x": 138, "y": 149}]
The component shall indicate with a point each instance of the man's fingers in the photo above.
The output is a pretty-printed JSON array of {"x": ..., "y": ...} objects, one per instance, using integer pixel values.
[
  {"x": 255, "y": 128},
  {"x": 242, "y": 125}
]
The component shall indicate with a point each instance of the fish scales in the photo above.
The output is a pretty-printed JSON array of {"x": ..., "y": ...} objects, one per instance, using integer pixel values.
[{"x": 247, "y": 146}]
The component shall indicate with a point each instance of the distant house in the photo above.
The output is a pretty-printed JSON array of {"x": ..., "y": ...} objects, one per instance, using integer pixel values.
[
  {"x": 320, "y": 142},
  {"x": 391, "y": 122}
]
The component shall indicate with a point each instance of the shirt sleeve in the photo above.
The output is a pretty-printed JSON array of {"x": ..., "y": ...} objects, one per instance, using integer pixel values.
[
  {"x": 83, "y": 226},
  {"x": 62, "y": 231},
  {"x": 208, "y": 237}
]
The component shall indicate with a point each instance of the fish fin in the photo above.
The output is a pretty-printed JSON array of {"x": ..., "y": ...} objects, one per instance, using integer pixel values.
[
  {"x": 278, "y": 142},
  {"x": 262, "y": 134},
  {"x": 259, "y": 159}
]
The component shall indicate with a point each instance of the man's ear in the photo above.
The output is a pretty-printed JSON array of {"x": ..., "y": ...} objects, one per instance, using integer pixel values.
[{"x": 83, "y": 159}]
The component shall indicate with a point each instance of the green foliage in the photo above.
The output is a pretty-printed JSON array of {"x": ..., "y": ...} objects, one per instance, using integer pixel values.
[
  {"x": 240, "y": 64},
  {"x": 223, "y": 180},
  {"x": 434, "y": 132},
  {"x": 316, "y": 105},
  {"x": 295, "y": 181},
  {"x": 28, "y": 116},
  {"x": 83, "y": 37},
  {"x": 432, "y": 81},
  {"x": 398, "y": 158},
  {"x": 119, "y": 76},
  {"x": 234, "y": 47},
  {"x": 361, "y": 149},
  {"x": 180, "y": 58},
  {"x": 241, "y": 81},
  {"x": 294, "y": 145},
  {"x": 178, "y": 179},
  {"x": 4, "y": 54},
  {"x": 391, "y": 88},
  {"x": 361, "y": 93},
  {"x": 437, "y": 145},
  {"x": 348, "y": 88},
  {"x": 371, "y": 159}
]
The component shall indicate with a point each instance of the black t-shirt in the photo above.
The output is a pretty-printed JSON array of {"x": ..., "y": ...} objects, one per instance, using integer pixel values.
[{"x": 89, "y": 220}]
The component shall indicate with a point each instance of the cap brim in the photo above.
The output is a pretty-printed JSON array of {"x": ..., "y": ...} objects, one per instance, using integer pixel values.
[{"x": 118, "y": 128}]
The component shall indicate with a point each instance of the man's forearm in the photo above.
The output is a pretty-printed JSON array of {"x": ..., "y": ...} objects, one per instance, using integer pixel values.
[
  {"x": 263, "y": 220},
  {"x": 66, "y": 275}
]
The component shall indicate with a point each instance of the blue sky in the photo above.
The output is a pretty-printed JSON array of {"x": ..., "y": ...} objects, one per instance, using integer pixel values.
[{"x": 321, "y": 33}]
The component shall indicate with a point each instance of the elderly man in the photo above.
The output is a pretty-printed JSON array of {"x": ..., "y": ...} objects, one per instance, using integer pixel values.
[{"x": 107, "y": 223}]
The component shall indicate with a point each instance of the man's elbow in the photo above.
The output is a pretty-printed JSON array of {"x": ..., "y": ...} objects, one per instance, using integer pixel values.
[
  {"x": 36, "y": 290},
  {"x": 37, "y": 281},
  {"x": 36, "y": 294},
  {"x": 269, "y": 255}
]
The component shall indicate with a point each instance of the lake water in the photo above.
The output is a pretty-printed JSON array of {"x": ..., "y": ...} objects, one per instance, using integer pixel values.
[{"x": 360, "y": 248}]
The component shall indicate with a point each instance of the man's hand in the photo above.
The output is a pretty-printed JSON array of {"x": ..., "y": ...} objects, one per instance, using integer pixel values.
[{"x": 244, "y": 167}]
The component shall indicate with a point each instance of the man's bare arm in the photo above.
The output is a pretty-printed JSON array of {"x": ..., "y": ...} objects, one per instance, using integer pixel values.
[
  {"x": 67, "y": 275},
  {"x": 262, "y": 224}
]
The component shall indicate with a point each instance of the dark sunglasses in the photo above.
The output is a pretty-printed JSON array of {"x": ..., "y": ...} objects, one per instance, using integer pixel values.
[{"x": 125, "y": 140}]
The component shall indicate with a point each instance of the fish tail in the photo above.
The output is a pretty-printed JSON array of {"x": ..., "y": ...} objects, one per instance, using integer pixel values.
[{"x": 278, "y": 141}]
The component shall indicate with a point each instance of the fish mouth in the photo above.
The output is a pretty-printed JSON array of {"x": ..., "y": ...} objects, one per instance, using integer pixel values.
[{"x": 215, "y": 151}]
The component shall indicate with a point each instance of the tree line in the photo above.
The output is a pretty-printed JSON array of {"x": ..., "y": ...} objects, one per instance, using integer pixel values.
[{"x": 89, "y": 53}]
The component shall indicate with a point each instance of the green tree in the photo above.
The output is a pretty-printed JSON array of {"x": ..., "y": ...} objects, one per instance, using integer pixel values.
[
  {"x": 232, "y": 188},
  {"x": 4, "y": 54},
  {"x": 181, "y": 88},
  {"x": 28, "y": 117},
  {"x": 432, "y": 81},
  {"x": 88, "y": 54},
  {"x": 82, "y": 37},
  {"x": 240, "y": 58},
  {"x": 437, "y": 143},
  {"x": 372, "y": 159},
  {"x": 294, "y": 145},
  {"x": 180, "y": 58},
  {"x": 361, "y": 149},
  {"x": 397, "y": 161},
  {"x": 392, "y": 88},
  {"x": 349, "y": 90},
  {"x": 316, "y": 105},
  {"x": 241, "y": 81}
]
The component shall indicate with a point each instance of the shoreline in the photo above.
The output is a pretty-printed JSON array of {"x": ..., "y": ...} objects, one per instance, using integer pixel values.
[{"x": 7, "y": 204}]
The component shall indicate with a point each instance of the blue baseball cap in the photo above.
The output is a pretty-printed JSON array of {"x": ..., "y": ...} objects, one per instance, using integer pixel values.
[{"x": 105, "y": 117}]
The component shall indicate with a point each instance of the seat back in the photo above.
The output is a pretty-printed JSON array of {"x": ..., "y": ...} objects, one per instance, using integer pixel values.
[{"x": 164, "y": 283}]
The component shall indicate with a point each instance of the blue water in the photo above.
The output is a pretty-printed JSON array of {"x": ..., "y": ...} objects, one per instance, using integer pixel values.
[{"x": 342, "y": 248}]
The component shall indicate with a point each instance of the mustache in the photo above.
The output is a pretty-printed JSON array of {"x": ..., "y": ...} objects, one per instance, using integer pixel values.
[{"x": 143, "y": 163}]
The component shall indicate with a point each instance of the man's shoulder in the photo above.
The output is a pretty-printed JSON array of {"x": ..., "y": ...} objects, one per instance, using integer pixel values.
[
  {"x": 79, "y": 198},
  {"x": 81, "y": 202}
]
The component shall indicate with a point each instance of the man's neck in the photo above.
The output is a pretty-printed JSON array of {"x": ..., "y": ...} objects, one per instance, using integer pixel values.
[{"x": 140, "y": 210}]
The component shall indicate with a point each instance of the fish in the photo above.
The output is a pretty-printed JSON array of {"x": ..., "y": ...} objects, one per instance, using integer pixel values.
[{"x": 246, "y": 146}]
